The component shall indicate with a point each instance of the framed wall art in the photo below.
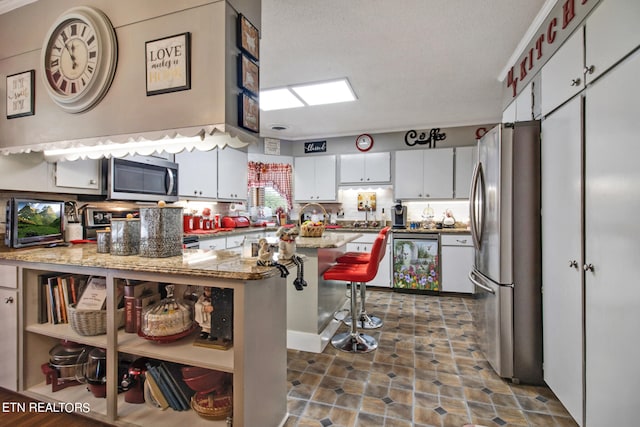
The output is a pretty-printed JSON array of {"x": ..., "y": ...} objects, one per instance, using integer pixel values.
[
  {"x": 249, "y": 75},
  {"x": 21, "y": 94},
  {"x": 248, "y": 38},
  {"x": 248, "y": 112},
  {"x": 168, "y": 64}
]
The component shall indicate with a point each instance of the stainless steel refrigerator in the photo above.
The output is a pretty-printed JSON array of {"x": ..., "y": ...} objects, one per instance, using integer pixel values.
[{"x": 505, "y": 228}]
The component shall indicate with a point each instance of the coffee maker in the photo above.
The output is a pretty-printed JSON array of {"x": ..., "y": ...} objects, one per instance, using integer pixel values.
[{"x": 399, "y": 215}]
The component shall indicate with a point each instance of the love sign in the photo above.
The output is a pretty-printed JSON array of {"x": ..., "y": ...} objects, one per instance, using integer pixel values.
[{"x": 168, "y": 64}]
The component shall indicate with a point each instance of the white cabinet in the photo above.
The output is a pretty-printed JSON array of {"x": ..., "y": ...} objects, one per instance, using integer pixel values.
[
  {"x": 424, "y": 174},
  {"x": 562, "y": 76},
  {"x": 24, "y": 172},
  {"x": 216, "y": 243},
  {"x": 365, "y": 168},
  {"x": 466, "y": 158},
  {"x": 315, "y": 178},
  {"x": 198, "y": 174},
  {"x": 524, "y": 105},
  {"x": 79, "y": 176},
  {"x": 9, "y": 330},
  {"x": 232, "y": 174},
  {"x": 611, "y": 33},
  {"x": 456, "y": 262},
  {"x": 509, "y": 113},
  {"x": 561, "y": 255},
  {"x": 612, "y": 245}
]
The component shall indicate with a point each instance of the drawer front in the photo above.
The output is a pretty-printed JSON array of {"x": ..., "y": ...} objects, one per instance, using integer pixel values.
[
  {"x": 9, "y": 276},
  {"x": 213, "y": 244},
  {"x": 235, "y": 241},
  {"x": 456, "y": 240}
]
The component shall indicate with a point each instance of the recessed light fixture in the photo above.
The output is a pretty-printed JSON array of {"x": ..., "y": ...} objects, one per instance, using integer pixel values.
[
  {"x": 330, "y": 92},
  {"x": 278, "y": 99},
  {"x": 308, "y": 94}
]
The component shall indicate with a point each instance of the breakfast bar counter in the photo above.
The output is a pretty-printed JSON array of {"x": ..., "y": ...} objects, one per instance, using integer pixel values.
[{"x": 310, "y": 323}]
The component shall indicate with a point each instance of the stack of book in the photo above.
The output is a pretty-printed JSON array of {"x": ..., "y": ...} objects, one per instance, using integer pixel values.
[
  {"x": 167, "y": 388},
  {"x": 57, "y": 292},
  {"x": 137, "y": 296}
]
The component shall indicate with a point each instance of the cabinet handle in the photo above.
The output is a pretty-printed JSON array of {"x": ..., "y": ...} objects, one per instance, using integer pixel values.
[
  {"x": 575, "y": 82},
  {"x": 588, "y": 267},
  {"x": 461, "y": 241},
  {"x": 8, "y": 300},
  {"x": 590, "y": 69},
  {"x": 573, "y": 264},
  {"x": 92, "y": 181}
]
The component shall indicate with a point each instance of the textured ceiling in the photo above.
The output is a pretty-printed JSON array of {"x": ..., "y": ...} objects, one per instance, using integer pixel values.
[{"x": 412, "y": 63}]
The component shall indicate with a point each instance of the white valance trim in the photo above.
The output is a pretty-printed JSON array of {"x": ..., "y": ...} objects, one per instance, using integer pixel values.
[{"x": 203, "y": 138}]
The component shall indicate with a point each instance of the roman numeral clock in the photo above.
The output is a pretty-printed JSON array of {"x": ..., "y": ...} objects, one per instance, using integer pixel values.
[{"x": 79, "y": 58}]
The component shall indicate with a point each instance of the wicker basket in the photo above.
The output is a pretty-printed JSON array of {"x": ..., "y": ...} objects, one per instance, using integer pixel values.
[
  {"x": 213, "y": 407},
  {"x": 91, "y": 322},
  {"x": 312, "y": 230}
]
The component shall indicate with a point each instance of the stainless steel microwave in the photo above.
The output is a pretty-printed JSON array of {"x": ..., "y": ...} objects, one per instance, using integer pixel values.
[{"x": 142, "y": 178}]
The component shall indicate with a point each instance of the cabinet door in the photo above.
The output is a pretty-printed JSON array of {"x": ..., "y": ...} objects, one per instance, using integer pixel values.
[
  {"x": 509, "y": 113},
  {"x": 214, "y": 244},
  {"x": 438, "y": 174},
  {"x": 377, "y": 167},
  {"x": 79, "y": 174},
  {"x": 198, "y": 173},
  {"x": 612, "y": 245},
  {"x": 24, "y": 172},
  {"x": 383, "y": 277},
  {"x": 562, "y": 76},
  {"x": 561, "y": 247},
  {"x": 304, "y": 178},
  {"x": 9, "y": 339},
  {"x": 611, "y": 33},
  {"x": 466, "y": 158},
  {"x": 524, "y": 105},
  {"x": 352, "y": 168},
  {"x": 325, "y": 178},
  {"x": 456, "y": 261},
  {"x": 409, "y": 174},
  {"x": 232, "y": 174}
]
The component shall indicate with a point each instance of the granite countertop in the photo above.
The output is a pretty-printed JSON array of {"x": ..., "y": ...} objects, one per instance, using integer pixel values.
[
  {"x": 328, "y": 240},
  {"x": 193, "y": 262}
]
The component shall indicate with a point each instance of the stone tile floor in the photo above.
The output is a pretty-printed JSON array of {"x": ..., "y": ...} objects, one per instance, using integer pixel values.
[{"x": 427, "y": 371}]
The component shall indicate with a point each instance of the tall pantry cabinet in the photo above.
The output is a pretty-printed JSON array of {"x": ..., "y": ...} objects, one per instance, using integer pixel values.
[{"x": 591, "y": 236}]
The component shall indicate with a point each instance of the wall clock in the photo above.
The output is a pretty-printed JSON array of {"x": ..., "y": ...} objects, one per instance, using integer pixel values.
[
  {"x": 79, "y": 58},
  {"x": 364, "y": 142}
]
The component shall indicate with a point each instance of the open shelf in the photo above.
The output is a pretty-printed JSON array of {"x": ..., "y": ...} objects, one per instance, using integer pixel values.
[
  {"x": 64, "y": 331},
  {"x": 77, "y": 393}
]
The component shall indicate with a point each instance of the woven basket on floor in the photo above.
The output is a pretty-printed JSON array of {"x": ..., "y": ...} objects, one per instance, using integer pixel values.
[{"x": 91, "y": 322}]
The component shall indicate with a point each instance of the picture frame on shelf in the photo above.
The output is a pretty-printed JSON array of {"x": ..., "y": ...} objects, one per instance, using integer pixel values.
[
  {"x": 20, "y": 93},
  {"x": 248, "y": 112},
  {"x": 248, "y": 38},
  {"x": 249, "y": 75},
  {"x": 168, "y": 64}
]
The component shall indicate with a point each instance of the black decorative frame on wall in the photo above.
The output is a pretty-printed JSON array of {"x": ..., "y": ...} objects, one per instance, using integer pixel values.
[
  {"x": 248, "y": 75},
  {"x": 20, "y": 93},
  {"x": 248, "y": 112},
  {"x": 248, "y": 38},
  {"x": 168, "y": 56}
]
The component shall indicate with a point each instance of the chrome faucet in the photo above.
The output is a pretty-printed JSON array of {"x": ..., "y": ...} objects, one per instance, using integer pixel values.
[{"x": 367, "y": 209}]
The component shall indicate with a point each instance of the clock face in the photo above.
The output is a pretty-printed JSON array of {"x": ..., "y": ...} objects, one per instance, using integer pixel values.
[
  {"x": 79, "y": 58},
  {"x": 72, "y": 56},
  {"x": 364, "y": 142}
]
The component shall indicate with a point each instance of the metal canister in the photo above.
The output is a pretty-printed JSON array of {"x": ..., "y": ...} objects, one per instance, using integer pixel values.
[
  {"x": 103, "y": 241},
  {"x": 125, "y": 236},
  {"x": 161, "y": 231}
]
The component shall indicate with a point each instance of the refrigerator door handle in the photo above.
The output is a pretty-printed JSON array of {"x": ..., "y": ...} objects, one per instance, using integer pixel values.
[
  {"x": 475, "y": 220},
  {"x": 480, "y": 285}
]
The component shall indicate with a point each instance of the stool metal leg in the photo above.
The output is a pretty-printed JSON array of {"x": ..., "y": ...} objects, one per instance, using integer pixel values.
[
  {"x": 365, "y": 321},
  {"x": 353, "y": 341}
]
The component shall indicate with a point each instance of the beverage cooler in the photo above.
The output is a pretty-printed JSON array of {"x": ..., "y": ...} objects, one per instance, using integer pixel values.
[{"x": 416, "y": 262}]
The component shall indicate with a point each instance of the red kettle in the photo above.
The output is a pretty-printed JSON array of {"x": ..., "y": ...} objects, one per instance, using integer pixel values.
[{"x": 133, "y": 381}]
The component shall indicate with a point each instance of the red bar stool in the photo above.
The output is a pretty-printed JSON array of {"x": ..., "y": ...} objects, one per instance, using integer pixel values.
[
  {"x": 354, "y": 341},
  {"x": 365, "y": 321}
]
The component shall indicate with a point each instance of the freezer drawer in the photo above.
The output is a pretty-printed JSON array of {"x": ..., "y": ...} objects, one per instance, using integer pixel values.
[{"x": 493, "y": 313}]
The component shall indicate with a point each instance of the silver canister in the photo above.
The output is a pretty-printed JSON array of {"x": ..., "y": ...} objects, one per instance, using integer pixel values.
[
  {"x": 160, "y": 231},
  {"x": 104, "y": 241},
  {"x": 125, "y": 236}
]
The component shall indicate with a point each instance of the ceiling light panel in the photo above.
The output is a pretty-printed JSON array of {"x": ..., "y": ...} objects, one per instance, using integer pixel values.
[
  {"x": 278, "y": 99},
  {"x": 330, "y": 92}
]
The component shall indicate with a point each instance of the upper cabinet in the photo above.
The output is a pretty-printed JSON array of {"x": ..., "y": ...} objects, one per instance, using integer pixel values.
[
  {"x": 79, "y": 176},
  {"x": 365, "y": 168},
  {"x": 611, "y": 33},
  {"x": 466, "y": 158},
  {"x": 424, "y": 174},
  {"x": 216, "y": 174},
  {"x": 232, "y": 174},
  {"x": 198, "y": 174},
  {"x": 562, "y": 77},
  {"x": 315, "y": 178}
]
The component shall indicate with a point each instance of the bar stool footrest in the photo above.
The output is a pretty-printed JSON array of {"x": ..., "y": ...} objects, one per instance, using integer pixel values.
[{"x": 360, "y": 343}]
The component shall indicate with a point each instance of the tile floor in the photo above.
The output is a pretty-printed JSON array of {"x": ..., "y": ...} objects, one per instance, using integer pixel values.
[{"x": 427, "y": 371}]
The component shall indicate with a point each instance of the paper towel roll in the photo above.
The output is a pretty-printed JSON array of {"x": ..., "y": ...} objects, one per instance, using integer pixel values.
[{"x": 73, "y": 231}]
